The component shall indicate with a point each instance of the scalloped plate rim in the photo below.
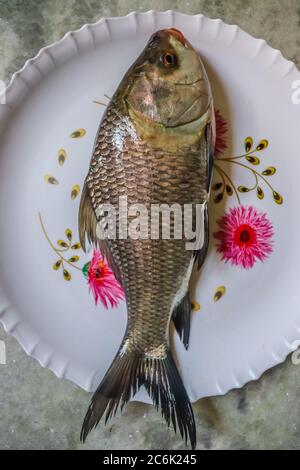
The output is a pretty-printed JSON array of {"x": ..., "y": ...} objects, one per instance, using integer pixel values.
[{"x": 17, "y": 329}]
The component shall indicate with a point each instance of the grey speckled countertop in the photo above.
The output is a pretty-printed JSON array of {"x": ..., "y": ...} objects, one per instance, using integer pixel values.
[{"x": 39, "y": 411}]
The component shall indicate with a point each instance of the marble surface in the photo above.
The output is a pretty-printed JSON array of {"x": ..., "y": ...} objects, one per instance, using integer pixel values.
[{"x": 39, "y": 411}]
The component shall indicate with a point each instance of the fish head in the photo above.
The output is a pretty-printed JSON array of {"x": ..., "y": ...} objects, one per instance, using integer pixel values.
[{"x": 169, "y": 85}]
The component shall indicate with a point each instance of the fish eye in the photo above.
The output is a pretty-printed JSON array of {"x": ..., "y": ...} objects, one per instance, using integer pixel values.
[{"x": 169, "y": 60}]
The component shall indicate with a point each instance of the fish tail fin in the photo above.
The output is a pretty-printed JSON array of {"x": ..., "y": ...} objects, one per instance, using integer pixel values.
[
  {"x": 165, "y": 387},
  {"x": 163, "y": 383}
]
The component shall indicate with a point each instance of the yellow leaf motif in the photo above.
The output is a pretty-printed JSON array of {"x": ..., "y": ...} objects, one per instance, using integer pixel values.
[
  {"x": 217, "y": 186},
  {"x": 195, "y": 306},
  {"x": 270, "y": 171},
  {"x": 78, "y": 133},
  {"x": 50, "y": 179},
  {"x": 277, "y": 198},
  {"x": 219, "y": 292},
  {"x": 75, "y": 191},
  {"x": 74, "y": 259},
  {"x": 229, "y": 190},
  {"x": 253, "y": 160},
  {"x": 263, "y": 144},
  {"x": 62, "y": 155},
  {"x": 248, "y": 144},
  {"x": 67, "y": 275},
  {"x": 243, "y": 189},
  {"x": 218, "y": 198},
  {"x": 57, "y": 265},
  {"x": 259, "y": 192},
  {"x": 76, "y": 246},
  {"x": 62, "y": 243},
  {"x": 68, "y": 232}
]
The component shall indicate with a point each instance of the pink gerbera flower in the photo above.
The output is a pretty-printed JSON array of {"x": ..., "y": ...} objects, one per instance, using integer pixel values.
[
  {"x": 221, "y": 133},
  {"x": 245, "y": 236},
  {"x": 102, "y": 281}
]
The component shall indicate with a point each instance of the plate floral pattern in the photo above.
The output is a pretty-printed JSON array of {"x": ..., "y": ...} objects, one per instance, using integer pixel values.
[{"x": 245, "y": 234}]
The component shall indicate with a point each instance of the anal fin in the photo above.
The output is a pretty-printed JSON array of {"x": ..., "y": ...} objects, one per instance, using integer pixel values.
[{"x": 182, "y": 319}]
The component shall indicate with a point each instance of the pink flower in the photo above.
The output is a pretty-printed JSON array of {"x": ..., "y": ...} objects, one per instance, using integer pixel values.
[
  {"x": 102, "y": 281},
  {"x": 221, "y": 133},
  {"x": 245, "y": 236}
]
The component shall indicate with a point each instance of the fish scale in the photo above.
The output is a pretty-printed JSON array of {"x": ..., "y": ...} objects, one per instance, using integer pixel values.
[{"x": 150, "y": 177}]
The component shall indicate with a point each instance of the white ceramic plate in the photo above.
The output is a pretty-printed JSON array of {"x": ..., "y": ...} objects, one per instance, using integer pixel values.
[{"x": 250, "y": 328}]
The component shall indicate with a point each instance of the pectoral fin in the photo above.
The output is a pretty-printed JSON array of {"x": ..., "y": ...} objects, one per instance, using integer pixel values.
[
  {"x": 87, "y": 226},
  {"x": 87, "y": 222}
]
